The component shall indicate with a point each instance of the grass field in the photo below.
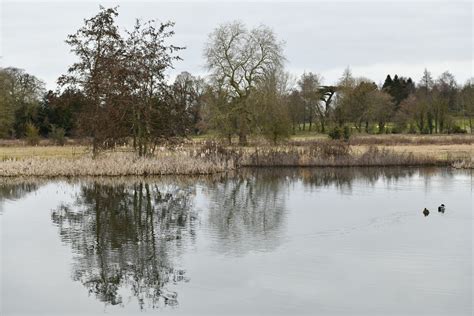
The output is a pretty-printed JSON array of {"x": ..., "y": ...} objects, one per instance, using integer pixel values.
[{"x": 21, "y": 152}]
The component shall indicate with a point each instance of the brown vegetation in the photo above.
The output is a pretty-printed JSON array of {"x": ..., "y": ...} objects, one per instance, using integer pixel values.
[
  {"x": 206, "y": 161},
  {"x": 467, "y": 163},
  {"x": 207, "y": 157},
  {"x": 121, "y": 164},
  {"x": 334, "y": 154}
]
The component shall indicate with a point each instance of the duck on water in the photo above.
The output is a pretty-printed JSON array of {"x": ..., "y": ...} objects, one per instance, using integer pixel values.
[{"x": 441, "y": 209}]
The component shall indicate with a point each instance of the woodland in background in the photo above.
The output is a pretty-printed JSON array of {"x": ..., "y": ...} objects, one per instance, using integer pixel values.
[{"x": 117, "y": 92}]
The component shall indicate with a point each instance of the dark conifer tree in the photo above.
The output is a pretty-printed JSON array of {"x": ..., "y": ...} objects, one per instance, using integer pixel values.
[{"x": 388, "y": 83}]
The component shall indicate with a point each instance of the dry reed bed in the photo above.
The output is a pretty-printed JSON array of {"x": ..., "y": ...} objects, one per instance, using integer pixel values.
[
  {"x": 116, "y": 164},
  {"x": 211, "y": 157},
  {"x": 335, "y": 155}
]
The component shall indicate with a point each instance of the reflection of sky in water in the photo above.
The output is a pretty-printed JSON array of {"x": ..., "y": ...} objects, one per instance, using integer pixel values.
[{"x": 281, "y": 241}]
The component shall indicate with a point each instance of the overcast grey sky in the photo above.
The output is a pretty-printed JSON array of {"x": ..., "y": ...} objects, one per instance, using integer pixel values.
[{"x": 373, "y": 38}]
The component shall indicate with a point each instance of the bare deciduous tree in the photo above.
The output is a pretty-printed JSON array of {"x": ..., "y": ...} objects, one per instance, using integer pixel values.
[
  {"x": 381, "y": 108},
  {"x": 189, "y": 94},
  {"x": 240, "y": 58}
]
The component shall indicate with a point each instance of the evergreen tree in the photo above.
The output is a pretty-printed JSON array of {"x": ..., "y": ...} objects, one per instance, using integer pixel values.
[
  {"x": 399, "y": 88},
  {"x": 388, "y": 83}
]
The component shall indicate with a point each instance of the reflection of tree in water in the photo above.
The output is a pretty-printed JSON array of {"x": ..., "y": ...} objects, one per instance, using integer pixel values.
[
  {"x": 247, "y": 210},
  {"x": 123, "y": 237}
]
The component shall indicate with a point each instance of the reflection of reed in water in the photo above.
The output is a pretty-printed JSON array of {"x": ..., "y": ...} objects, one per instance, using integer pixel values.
[
  {"x": 343, "y": 178},
  {"x": 15, "y": 191},
  {"x": 125, "y": 236}
]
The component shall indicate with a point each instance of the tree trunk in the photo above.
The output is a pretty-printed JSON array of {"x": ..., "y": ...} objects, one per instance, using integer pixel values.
[
  {"x": 242, "y": 139},
  {"x": 243, "y": 130},
  {"x": 95, "y": 148},
  {"x": 381, "y": 127}
]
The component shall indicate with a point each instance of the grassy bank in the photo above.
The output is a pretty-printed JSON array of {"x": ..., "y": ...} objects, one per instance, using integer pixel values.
[{"x": 206, "y": 157}]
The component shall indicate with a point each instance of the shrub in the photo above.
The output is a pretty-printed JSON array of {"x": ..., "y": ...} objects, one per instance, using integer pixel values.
[
  {"x": 57, "y": 134},
  {"x": 397, "y": 129},
  {"x": 346, "y": 133},
  {"x": 412, "y": 129},
  {"x": 32, "y": 134},
  {"x": 335, "y": 133},
  {"x": 338, "y": 133},
  {"x": 215, "y": 152},
  {"x": 456, "y": 129}
]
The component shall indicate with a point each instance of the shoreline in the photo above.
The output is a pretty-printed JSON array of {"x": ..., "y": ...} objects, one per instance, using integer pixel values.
[{"x": 214, "y": 159}]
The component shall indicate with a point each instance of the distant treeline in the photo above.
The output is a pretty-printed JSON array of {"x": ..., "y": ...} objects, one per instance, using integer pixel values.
[{"x": 117, "y": 92}]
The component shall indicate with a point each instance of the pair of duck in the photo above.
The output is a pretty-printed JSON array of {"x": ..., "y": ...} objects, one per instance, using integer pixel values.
[{"x": 441, "y": 209}]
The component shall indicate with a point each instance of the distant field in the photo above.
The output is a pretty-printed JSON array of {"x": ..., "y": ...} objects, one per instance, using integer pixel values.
[{"x": 19, "y": 152}]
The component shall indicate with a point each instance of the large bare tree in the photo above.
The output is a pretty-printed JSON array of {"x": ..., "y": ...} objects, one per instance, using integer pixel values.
[{"x": 239, "y": 58}]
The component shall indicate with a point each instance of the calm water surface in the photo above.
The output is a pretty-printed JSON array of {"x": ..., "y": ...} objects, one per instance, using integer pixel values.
[{"x": 278, "y": 241}]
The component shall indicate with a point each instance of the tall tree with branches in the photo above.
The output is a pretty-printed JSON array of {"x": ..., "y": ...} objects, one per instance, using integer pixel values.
[
  {"x": 97, "y": 73},
  {"x": 123, "y": 80},
  {"x": 240, "y": 58},
  {"x": 147, "y": 58}
]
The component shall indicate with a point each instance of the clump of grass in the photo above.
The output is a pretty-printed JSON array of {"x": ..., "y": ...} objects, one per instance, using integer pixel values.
[
  {"x": 58, "y": 135},
  {"x": 215, "y": 152},
  {"x": 467, "y": 163},
  {"x": 32, "y": 134},
  {"x": 375, "y": 156}
]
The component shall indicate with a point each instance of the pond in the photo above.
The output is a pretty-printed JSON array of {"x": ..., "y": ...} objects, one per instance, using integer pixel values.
[{"x": 260, "y": 241}]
